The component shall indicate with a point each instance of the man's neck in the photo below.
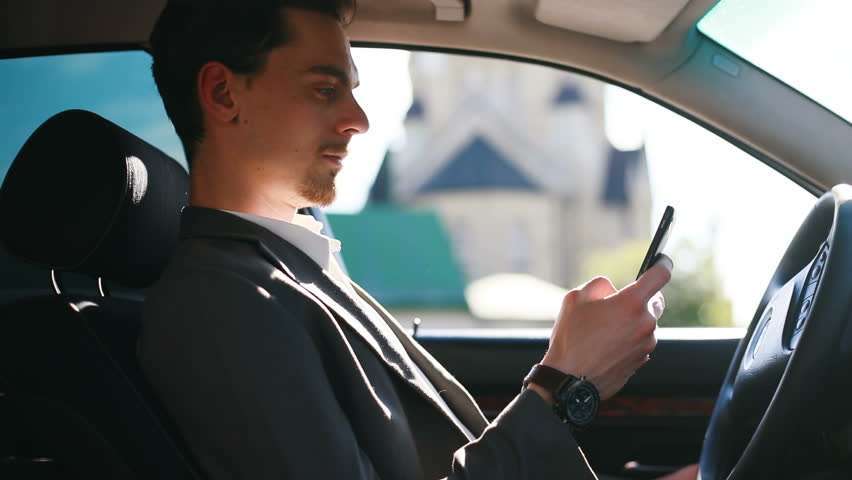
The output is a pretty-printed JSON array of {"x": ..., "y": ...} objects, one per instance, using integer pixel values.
[{"x": 214, "y": 185}]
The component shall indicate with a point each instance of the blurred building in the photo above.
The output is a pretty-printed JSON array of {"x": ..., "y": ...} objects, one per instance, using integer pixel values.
[
  {"x": 504, "y": 183},
  {"x": 515, "y": 160}
]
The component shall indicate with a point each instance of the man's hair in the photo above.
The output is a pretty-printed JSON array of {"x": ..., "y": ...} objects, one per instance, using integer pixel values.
[{"x": 238, "y": 33}]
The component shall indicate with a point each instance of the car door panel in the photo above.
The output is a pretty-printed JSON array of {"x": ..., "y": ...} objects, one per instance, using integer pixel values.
[{"x": 658, "y": 418}]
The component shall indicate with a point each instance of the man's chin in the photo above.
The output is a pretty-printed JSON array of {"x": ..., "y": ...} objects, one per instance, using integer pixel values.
[
  {"x": 318, "y": 187},
  {"x": 320, "y": 197},
  {"x": 325, "y": 201}
]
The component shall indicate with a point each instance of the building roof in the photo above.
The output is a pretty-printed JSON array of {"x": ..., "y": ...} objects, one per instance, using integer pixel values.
[
  {"x": 620, "y": 165},
  {"x": 568, "y": 93},
  {"x": 402, "y": 257},
  {"x": 380, "y": 192},
  {"x": 416, "y": 111},
  {"x": 478, "y": 165}
]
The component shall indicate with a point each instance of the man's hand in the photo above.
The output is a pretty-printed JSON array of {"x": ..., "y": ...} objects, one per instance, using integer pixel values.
[
  {"x": 605, "y": 334},
  {"x": 685, "y": 473}
]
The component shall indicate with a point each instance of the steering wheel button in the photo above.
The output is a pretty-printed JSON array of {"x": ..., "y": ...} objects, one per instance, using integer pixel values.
[
  {"x": 800, "y": 322},
  {"x": 804, "y": 311},
  {"x": 815, "y": 273},
  {"x": 819, "y": 265},
  {"x": 794, "y": 340},
  {"x": 810, "y": 289},
  {"x": 806, "y": 304}
]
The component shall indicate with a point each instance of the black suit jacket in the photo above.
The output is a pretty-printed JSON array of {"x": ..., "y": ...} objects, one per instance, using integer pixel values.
[{"x": 272, "y": 371}]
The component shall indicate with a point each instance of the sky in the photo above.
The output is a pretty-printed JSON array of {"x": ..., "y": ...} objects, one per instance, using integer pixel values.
[
  {"x": 802, "y": 43},
  {"x": 746, "y": 211}
]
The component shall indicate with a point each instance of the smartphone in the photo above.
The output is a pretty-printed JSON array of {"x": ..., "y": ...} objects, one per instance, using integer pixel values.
[{"x": 658, "y": 242}]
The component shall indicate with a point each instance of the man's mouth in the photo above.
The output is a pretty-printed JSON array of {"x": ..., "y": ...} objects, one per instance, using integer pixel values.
[{"x": 336, "y": 158}]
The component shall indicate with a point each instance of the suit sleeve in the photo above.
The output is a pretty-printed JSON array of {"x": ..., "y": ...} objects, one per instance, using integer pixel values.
[
  {"x": 526, "y": 441},
  {"x": 245, "y": 383}
]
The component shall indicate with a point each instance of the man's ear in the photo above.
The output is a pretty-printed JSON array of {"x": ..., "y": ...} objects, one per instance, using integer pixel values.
[{"x": 216, "y": 94}]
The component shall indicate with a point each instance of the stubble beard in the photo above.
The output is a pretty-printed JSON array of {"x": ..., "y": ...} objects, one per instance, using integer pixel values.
[{"x": 318, "y": 186}]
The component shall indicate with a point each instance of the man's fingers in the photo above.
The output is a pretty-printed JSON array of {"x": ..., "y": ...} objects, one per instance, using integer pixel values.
[
  {"x": 657, "y": 305},
  {"x": 686, "y": 473},
  {"x": 653, "y": 280},
  {"x": 596, "y": 289}
]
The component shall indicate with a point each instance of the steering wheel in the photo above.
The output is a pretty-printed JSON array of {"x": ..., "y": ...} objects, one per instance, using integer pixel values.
[{"x": 781, "y": 389}]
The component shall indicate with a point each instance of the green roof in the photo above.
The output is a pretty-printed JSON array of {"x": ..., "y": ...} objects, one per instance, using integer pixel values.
[{"x": 402, "y": 257}]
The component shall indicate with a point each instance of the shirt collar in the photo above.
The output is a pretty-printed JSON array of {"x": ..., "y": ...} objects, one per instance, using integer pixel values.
[{"x": 304, "y": 232}]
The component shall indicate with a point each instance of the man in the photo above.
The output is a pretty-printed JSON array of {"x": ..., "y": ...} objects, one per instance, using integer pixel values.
[{"x": 272, "y": 362}]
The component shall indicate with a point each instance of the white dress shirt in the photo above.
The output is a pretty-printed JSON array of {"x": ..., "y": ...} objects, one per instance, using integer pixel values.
[{"x": 304, "y": 232}]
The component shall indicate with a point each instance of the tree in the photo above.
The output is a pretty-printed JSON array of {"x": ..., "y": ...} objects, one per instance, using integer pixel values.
[{"x": 694, "y": 297}]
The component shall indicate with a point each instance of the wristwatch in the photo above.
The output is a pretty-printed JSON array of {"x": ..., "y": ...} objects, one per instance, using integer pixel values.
[{"x": 576, "y": 399}]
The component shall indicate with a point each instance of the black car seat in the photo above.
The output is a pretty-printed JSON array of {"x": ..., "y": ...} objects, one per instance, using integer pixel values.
[{"x": 86, "y": 197}]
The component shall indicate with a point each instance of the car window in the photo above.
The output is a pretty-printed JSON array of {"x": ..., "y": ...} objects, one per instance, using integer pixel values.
[
  {"x": 117, "y": 86},
  {"x": 487, "y": 188}
]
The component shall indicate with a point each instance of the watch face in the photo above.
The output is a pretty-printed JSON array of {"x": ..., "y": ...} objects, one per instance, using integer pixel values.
[{"x": 580, "y": 402}]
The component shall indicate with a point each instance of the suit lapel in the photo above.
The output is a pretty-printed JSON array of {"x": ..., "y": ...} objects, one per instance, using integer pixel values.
[
  {"x": 448, "y": 387},
  {"x": 364, "y": 323},
  {"x": 317, "y": 286},
  {"x": 361, "y": 322}
]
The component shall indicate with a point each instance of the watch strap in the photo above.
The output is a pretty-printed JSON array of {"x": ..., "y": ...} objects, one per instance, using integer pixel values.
[{"x": 548, "y": 378}]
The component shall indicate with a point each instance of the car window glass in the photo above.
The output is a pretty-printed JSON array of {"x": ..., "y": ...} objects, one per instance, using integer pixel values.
[
  {"x": 486, "y": 188},
  {"x": 117, "y": 86},
  {"x": 803, "y": 44}
]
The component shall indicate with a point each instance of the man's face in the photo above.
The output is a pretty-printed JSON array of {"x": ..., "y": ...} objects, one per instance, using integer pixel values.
[{"x": 298, "y": 114}]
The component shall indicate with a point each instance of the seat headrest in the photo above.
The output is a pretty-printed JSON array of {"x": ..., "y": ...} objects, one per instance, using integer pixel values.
[{"x": 85, "y": 195}]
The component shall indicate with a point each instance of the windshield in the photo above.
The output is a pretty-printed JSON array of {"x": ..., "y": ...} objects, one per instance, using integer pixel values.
[{"x": 804, "y": 44}]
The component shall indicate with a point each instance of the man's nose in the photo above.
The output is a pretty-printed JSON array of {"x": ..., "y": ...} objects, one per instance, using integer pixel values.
[{"x": 354, "y": 120}]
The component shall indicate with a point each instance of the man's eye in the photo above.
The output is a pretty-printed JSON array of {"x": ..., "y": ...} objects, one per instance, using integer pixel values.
[{"x": 328, "y": 92}]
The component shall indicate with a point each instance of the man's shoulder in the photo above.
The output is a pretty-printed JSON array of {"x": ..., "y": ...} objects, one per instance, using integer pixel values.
[
  {"x": 211, "y": 264},
  {"x": 207, "y": 272},
  {"x": 194, "y": 254}
]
